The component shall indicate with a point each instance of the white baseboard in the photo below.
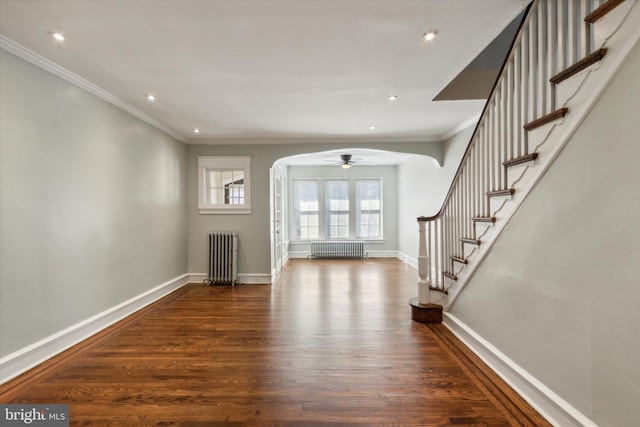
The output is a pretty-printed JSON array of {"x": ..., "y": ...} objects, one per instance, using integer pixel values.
[
  {"x": 255, "y": 279},
  {"x": 407, "y": 259},
  {"x": 245, "y": 278},
  {"x": 382, "y": 254},
  {"x": 298, "y": 254},
  {"x": 551, "y": 406},
  {"x": 28, "y": 357},
  {"x": 197, "y": 277},
  {"x": 370, "y": 254}
]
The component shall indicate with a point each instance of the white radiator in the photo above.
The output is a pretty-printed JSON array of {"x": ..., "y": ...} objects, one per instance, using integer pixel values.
[
  {"x": 337, "y": 249},
  {"x": 223, "y": 258}
]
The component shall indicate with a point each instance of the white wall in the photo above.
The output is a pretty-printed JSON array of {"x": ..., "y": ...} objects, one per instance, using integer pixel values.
[
  {"x": 559, "y": 292},
  {"x": 389, "y": 175},
  {"x": 93, "y": 207},
  {"x": 422, "y": 187}
]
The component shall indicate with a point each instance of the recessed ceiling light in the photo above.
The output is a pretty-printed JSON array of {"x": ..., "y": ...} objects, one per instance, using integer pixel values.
[
  {"x": 430, "y": 35},
  {"x": 393, "y": 98},
  {"x": 151, "y": 97},
  {"x": 196, "y": 130},
  {"x": 372, "y": 128},
  {"x": 58, "y": 36}
]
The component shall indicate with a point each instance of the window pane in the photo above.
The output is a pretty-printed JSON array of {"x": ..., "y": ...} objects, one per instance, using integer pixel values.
[
  {"x": 337, "y": 195},
  {"x": 216, "y": 196},
  {"x": 306, "y": 215},
  {"x": 337, "y": 205},
  {"x": 369, "y": 204},
  {"x": 227, "y": 177},
  {"x": 226, "y": 187},
  {"x": 306, "y": 194}
]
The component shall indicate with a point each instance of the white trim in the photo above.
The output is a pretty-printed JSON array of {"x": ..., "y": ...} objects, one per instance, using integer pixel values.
[
  {"x": 551, "y": 406},
  {"x": 197, "y": 277},
  {"x": 381, "y": 254},
  {"x": 28, "y": 357},
  {"x": 370, "y": 254},
  {"x": 224, "y": 210},
  {"x": 244, "y": 278},
  {"x": 413, "y": 262},
  {"x": 222, "y": 163},
  {"x": 204, "y": 140},
  {"x": 299, "y": 254},
  {"x": 255, "y": 279},
  {"x": 50, "y": 66}
]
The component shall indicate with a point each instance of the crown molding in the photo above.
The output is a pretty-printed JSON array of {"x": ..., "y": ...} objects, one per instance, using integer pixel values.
[
  {"x": 311, "y": 140},
  {"x": 50, "y": 66}
]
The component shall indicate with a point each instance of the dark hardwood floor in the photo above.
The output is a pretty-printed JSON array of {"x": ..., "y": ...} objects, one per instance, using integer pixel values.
[{"x": 331, "y": 343}]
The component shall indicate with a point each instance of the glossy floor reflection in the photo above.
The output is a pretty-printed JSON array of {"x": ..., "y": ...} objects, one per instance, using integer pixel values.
[{"x": 331, "y": 342}]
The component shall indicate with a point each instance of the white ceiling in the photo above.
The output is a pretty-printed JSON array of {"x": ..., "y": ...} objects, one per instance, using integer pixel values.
[{"x": 270, "y": 71}]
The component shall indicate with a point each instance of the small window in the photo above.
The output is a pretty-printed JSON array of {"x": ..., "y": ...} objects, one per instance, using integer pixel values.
[{"x": 224, "y": 185}]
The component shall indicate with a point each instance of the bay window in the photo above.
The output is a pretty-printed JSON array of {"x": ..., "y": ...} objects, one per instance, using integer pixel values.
[{"x": 337, "y": 209}]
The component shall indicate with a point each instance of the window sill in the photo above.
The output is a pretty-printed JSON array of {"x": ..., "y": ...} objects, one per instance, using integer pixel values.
[{"x": 222, "y": 211}]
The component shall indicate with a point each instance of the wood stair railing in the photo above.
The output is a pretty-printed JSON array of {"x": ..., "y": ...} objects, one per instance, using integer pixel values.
[
  {"x": 522, "y": 99},
  {"x": 600, "y": 12}
]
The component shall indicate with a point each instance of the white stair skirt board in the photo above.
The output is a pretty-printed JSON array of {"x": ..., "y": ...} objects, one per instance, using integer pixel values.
[
  {"x": 551, "y": 406},
  {"x": 28, "y": 357}
]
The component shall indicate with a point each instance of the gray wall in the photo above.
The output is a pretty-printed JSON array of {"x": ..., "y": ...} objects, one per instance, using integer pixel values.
[
  {"x": 92, "y": 205},
  {"x": 389, "y": 175},
  {"x": 559, "y": 292},
  {"x": 254, "y": 231},
  {"x": 422, "y": 187}
]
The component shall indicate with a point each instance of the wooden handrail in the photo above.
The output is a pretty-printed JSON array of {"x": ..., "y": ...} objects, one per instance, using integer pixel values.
[{"x": 484, "y": 111}]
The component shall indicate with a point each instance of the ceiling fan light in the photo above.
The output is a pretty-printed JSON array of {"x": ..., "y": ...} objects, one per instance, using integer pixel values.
[
  {"x": 429, "y": 36},
  {"x": 345, "y": 165}
]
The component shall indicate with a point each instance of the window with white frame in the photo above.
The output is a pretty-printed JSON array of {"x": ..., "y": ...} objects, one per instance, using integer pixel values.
[
  {"x": 350, "y": 209},
  {"x": 368, "y": 209},
  {"x": 224, "y": 185},
  {"x": 337, "y": 209},
  {"x": 306, "y": 209}
]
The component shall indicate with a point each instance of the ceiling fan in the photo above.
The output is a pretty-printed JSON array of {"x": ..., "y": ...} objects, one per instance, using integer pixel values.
[{"x": 347, "y": 160}]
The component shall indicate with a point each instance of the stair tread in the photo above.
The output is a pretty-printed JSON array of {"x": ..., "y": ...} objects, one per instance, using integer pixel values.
[
  {"x": 519, "y": 160},
  {"x": 579, "y": 66},
  {"x": 484, "y": 219},
  {"x": 471, "y": 241},
  {"x": 600, "y": 12},
  {"x": 449, "y": 275},
  {"x": 433, "y": 288},
  {"x": 458, "y": 259},
  {"x": 507, "y": 192},
  {"x": 558, "y": 114}
]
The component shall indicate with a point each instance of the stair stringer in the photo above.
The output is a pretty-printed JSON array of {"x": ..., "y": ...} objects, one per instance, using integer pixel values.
[{"x": 580, "y": 93}]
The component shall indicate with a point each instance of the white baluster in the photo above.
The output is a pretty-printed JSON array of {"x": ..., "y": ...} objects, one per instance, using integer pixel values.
[
  {"x": 423, "y": 263},
  {"x": 552, "y": 51}
]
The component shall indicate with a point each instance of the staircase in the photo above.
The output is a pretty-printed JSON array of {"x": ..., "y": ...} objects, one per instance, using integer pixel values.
[{"x": 561, "y": 61}]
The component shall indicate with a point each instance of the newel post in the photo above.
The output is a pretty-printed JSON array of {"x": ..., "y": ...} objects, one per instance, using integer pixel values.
[
  {"x": 422, "y": 310},
  {"x": 423, "y": 264}
]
